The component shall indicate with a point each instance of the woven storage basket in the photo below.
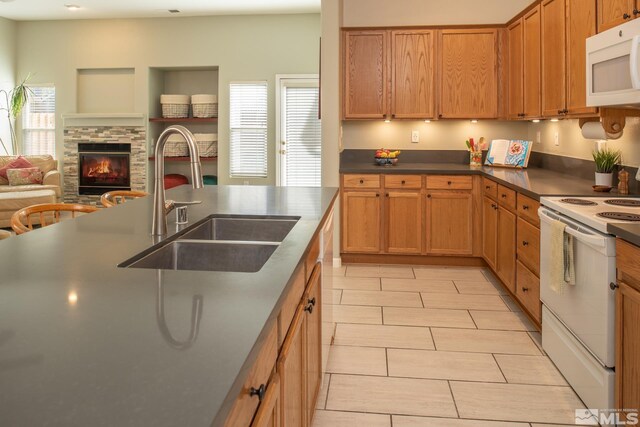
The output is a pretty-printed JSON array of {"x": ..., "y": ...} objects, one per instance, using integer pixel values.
[
  {"x": 175, "y": 106},
  {"x": 176, "y": 146},
  {"x": 204, "y": 106},
  {"x": 207, "y": 144}
]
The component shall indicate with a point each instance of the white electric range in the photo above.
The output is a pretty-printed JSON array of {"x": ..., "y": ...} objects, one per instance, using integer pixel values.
[{"x": 578, "y": 324}]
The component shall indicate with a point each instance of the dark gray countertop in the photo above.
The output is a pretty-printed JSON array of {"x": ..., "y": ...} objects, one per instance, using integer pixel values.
[
  {"x": 628, "y": 232},
  {"x": 104, "y": 361}
]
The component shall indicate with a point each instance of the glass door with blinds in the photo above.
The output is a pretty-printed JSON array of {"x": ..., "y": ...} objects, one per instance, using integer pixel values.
[{"x": 298, "y": 145}]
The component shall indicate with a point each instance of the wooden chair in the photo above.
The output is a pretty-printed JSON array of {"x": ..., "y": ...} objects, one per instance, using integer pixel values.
[
  {"x": 118, "y": 197},
  {"x": 46, "y": 214}
]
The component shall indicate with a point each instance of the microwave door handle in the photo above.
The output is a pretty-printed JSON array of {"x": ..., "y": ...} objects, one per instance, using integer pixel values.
[
  {"x": 595, "y": 241},
  {"x": 635, "y": 64}
]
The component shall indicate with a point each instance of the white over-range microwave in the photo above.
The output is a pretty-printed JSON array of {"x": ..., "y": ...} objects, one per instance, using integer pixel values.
[{"x": 613, "y": 67}]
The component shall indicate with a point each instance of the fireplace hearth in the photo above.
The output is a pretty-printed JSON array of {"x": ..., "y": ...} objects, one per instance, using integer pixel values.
[{"x": 103, "y": 167}]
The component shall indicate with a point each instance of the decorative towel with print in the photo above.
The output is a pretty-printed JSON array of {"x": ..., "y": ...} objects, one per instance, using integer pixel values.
[
  {"x": 569, "y": 265},
  {"x": 557, "y": 262}
]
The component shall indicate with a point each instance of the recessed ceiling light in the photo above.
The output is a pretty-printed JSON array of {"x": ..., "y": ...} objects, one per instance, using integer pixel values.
[
  {"x": 174, "y": 11},
  {"x": 72, "y": 6}
]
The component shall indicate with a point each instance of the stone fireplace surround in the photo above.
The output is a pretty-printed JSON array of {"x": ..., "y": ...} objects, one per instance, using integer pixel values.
[{"x": 81, "y": 128}]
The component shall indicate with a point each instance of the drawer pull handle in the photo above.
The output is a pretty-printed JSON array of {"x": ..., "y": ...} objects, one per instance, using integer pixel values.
[
  {"x": 362, "y": 181},
  {"x": 525, "y": 289},
  {"x": 613, "y": 286},
  {"x": 525, "y": 243},
  {"x": 525, "y": 207},
  {"x": 309, "y": 308},
  {"x": 260, "y": 391}
]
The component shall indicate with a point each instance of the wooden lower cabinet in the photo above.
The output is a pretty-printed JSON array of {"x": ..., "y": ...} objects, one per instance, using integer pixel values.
[
  {"x": 291, "y": 367},
  {"x": 268, "y": 414},
  {"x": 361, "y": 218},
  {"x": 403, "y": 222},
  {"x": 489, "y": 231},
  {"x": 528, "y": 291},
  {"x": 449, "y": 223},
  {"x": 312, "y": 303},
  {"x": 506, "y": 248}
]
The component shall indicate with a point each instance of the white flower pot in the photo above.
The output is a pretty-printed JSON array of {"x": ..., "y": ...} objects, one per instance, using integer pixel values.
[{"x": 605, "y": 179}]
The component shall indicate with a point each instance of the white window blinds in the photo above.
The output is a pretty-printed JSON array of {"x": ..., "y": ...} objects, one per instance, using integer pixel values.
[
  {"x": 39, "y": 121},
  {"x": 248, "y": 121},
  {"x": 302, "y": 136}
]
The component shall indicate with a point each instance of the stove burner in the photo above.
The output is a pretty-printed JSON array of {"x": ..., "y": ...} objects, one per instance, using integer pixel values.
[
  {"x": 628, "y": 203},
  {"x": 580, "y": 202},
  {"x": 620, "y": 216}
]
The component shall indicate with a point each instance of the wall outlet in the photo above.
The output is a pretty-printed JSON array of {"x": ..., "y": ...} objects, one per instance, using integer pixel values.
[
  {"x": 415, "y": 136},
  {"x": 538, "y": 137},
  {"x": 556, "y": 138}
]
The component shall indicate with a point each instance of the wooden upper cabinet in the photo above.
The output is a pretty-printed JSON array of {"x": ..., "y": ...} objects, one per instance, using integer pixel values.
[
  {"x": 468, "y": 74},
  {"x": 615, "y": 12},
  {"x": 361, "y": 221},
  {"x": 581, "y": 24},
  {"x": 553, "y": 57},
  {"x": 413, "y": 74},
  {"x": 403, "y": 222},
  {"x": 531, "y": 63},
  {"x": 516, "y": 72},
  {"x": 449, "y": 223},
  {"x": 366, "y": 74}
]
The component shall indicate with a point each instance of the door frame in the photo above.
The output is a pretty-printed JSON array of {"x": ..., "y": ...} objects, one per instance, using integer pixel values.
[{"x": 281, "y": 80}]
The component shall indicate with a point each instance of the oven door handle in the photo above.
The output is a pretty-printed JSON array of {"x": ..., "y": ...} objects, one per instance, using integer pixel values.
[{"x": 594, "y": 240}]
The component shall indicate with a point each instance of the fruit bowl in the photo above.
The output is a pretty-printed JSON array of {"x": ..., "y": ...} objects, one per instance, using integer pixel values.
[{"x": 385, "y": 157}]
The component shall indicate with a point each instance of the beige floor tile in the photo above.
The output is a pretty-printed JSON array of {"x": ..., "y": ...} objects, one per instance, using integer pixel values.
[
  {"x": 536, "y": 336},
  {"x": 513, "y": 306},
  {"x": 357, "y": 314},
  {"x": 405, "y": 421},
  {"x": 337, "y": 296},
  {"x": 427, "y": 317},
  {"x": 357, "y": 360},
  {"x": 502, "y": 320},
  {"x": 464, "y": 302},
  {"x": 324, "y": 390},
  {"x": 450, "y": 273},
  {"x": 340, "y": 271},
  {"x": 484, "y": 341},
  {"x": 349, "y": 419},
  {"x": 529, "y": 370},
  {"x": 402, "y": 396},
  {"x": 551, "y": 425},
  {"x": 379, "y": 271},
  {"x": 443, "y": 365},
  {"x": 515, "y": 402},
  {"x": 479, "y": 288},
  {"x": 419, "y": 285},
  {"x": 360, "y": 283},
  {"x": 384, "y": 336},
  {"x": 381, "y": 298}
]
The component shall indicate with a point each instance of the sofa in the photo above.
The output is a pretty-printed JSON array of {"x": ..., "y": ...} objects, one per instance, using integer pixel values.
[{"x": 15, "y": 197}]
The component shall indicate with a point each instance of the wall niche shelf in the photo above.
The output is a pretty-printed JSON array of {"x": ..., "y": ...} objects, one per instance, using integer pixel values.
[
  {"x": 193, "y": 120},
  {"x": 183, "y": 159}
]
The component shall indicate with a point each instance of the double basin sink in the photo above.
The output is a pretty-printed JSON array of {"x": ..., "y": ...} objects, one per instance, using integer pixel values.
[{"x": 237, "y": 243}]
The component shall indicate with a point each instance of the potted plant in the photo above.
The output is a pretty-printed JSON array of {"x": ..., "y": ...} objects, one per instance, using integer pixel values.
[
  {"x": 606, "y": 162},
  {"x": 14, "y": 102}
]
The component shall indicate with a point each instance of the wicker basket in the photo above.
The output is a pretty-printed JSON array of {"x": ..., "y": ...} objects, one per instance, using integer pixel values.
[
  {"x": 204, "y": 106},
  {"x": 175, "y": 106},
  {"x": 207, "y": 144},
  {"x": 176, "y": 146}
]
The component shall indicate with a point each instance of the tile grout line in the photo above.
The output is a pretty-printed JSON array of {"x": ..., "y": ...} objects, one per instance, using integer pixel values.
[
  {"x": 453, "y": 399},
  {"x": 386, "y": 356},
  {"x": 326, "y": 400},
  {"x": 500, "y": 368},
  {"x": 472, "y": 319}
]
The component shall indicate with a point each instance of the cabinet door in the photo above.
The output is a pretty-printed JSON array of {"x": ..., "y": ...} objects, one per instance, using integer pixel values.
[
  {"x": 553, "y": 58},
  {"x": 531, "y": 63},
  {"x": 581, "y": 24},
  {"x": 361, "y": 221},
  {"x": 449, "y": 226},
  {"x": 516, "y": 40},
  {"x": 292, "y": 370},
  {"x": 506, "y": 248},
  {"x": 627, "y": 347},
  {"x": 313, "y": 311},
  {"x": 468, "y": 77},
  {"x": 365, "y": 74},
  {"x": 614, "y": 12},
  {"x": 403, "y": 222},
  {"x": 269, "y": 413},
  {"x": 489, "y": 231},
  {"x": 528, "y": 291}
]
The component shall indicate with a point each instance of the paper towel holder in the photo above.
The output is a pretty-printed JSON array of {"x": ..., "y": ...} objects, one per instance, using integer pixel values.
[{"x": 613, "y": 120}]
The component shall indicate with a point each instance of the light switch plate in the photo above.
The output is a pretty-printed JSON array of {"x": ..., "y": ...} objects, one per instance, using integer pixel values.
[
  {"x": 556, "y": 138},
  {"x": 415, "y": 136},
  {"x": 538, "y": 137}
]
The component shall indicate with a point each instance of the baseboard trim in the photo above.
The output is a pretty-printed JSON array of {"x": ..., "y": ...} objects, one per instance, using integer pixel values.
[
  {"x": 337, "y": 262},
  {"x": 413, "y": 259}
]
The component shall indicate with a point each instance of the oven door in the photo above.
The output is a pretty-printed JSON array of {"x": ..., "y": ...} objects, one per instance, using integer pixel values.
[{"x": 587, "y": 309}]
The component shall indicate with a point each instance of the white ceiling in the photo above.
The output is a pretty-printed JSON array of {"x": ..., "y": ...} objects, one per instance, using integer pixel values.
[{"x": 54, "y": 9}]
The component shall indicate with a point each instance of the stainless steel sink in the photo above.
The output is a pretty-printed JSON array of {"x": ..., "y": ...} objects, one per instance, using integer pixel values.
[
  {"x": 255, "y": 229},
  {"x": 203, "y": 255}
]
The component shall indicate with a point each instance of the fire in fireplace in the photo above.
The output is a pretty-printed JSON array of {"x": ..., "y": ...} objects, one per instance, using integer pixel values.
[{"x": 103, "y": 167}]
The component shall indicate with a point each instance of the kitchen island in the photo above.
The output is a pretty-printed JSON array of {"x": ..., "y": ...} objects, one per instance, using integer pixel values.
[{"x": 81, "y": 342}]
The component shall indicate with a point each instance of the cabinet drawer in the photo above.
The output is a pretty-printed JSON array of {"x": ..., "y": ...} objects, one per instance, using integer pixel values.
[
  {"x": 361, "y": 181},
  {"x": 490, "y": 188},
  {"x": 403, "y": 181},
  {"x": 246, "y": 405},
  {"x": 528, "y": 209},
  {"x": 449, "y": 182},
  {"x": 506, "y": 197},
  {"x": 528, "y": 243},
  {"x": 290, "y": 304},
  {"x": 528, "y": 290}
]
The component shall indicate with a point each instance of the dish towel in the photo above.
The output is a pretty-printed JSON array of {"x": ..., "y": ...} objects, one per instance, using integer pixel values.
[{"x": 562, "y": 262}]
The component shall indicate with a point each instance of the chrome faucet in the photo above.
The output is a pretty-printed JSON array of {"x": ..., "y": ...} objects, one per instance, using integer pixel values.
[{"x": 161, "y": 207}]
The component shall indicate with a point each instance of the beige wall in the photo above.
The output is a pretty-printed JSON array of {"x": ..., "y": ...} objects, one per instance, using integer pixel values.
[
  {"x": 374, "y": 13},
  {"x": 7, "y": 72},
  {"x": 244, "y": 47}
]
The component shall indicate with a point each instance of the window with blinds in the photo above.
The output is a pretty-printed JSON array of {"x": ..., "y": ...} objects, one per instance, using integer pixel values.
[
  {"x": 248, "y": 133},
  {"x": 39, "y": 121},
  {"x": 301, "y": 133}
]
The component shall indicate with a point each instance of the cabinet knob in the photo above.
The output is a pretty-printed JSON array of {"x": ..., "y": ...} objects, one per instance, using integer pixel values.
[
  {"x": 377, "y": 194},
  {"x": 312, "y": 301},
  {"x": 362, "y": 181},
  {"x": 448, "y": 182},
  {"x": 626, "y": 16},
  {"x": 428, "y": 196},
  {"x": 613, "y": 286},
  {"x": 525, "y": 243},
  {"x": 487, "y": 187},
  {"x": 258, "y": 392},
  {"x": 504, "y": 196},
  {"x": 403, "y": 182},
  {"x": 495, "y": 207},
  {"x": 309, "y": 308},
  {"x": 636, "y": 12},
  {"x": 525, "y": 207},
  {"x": 387, "y": 195},
  {"x": 525, "y": 289}
]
